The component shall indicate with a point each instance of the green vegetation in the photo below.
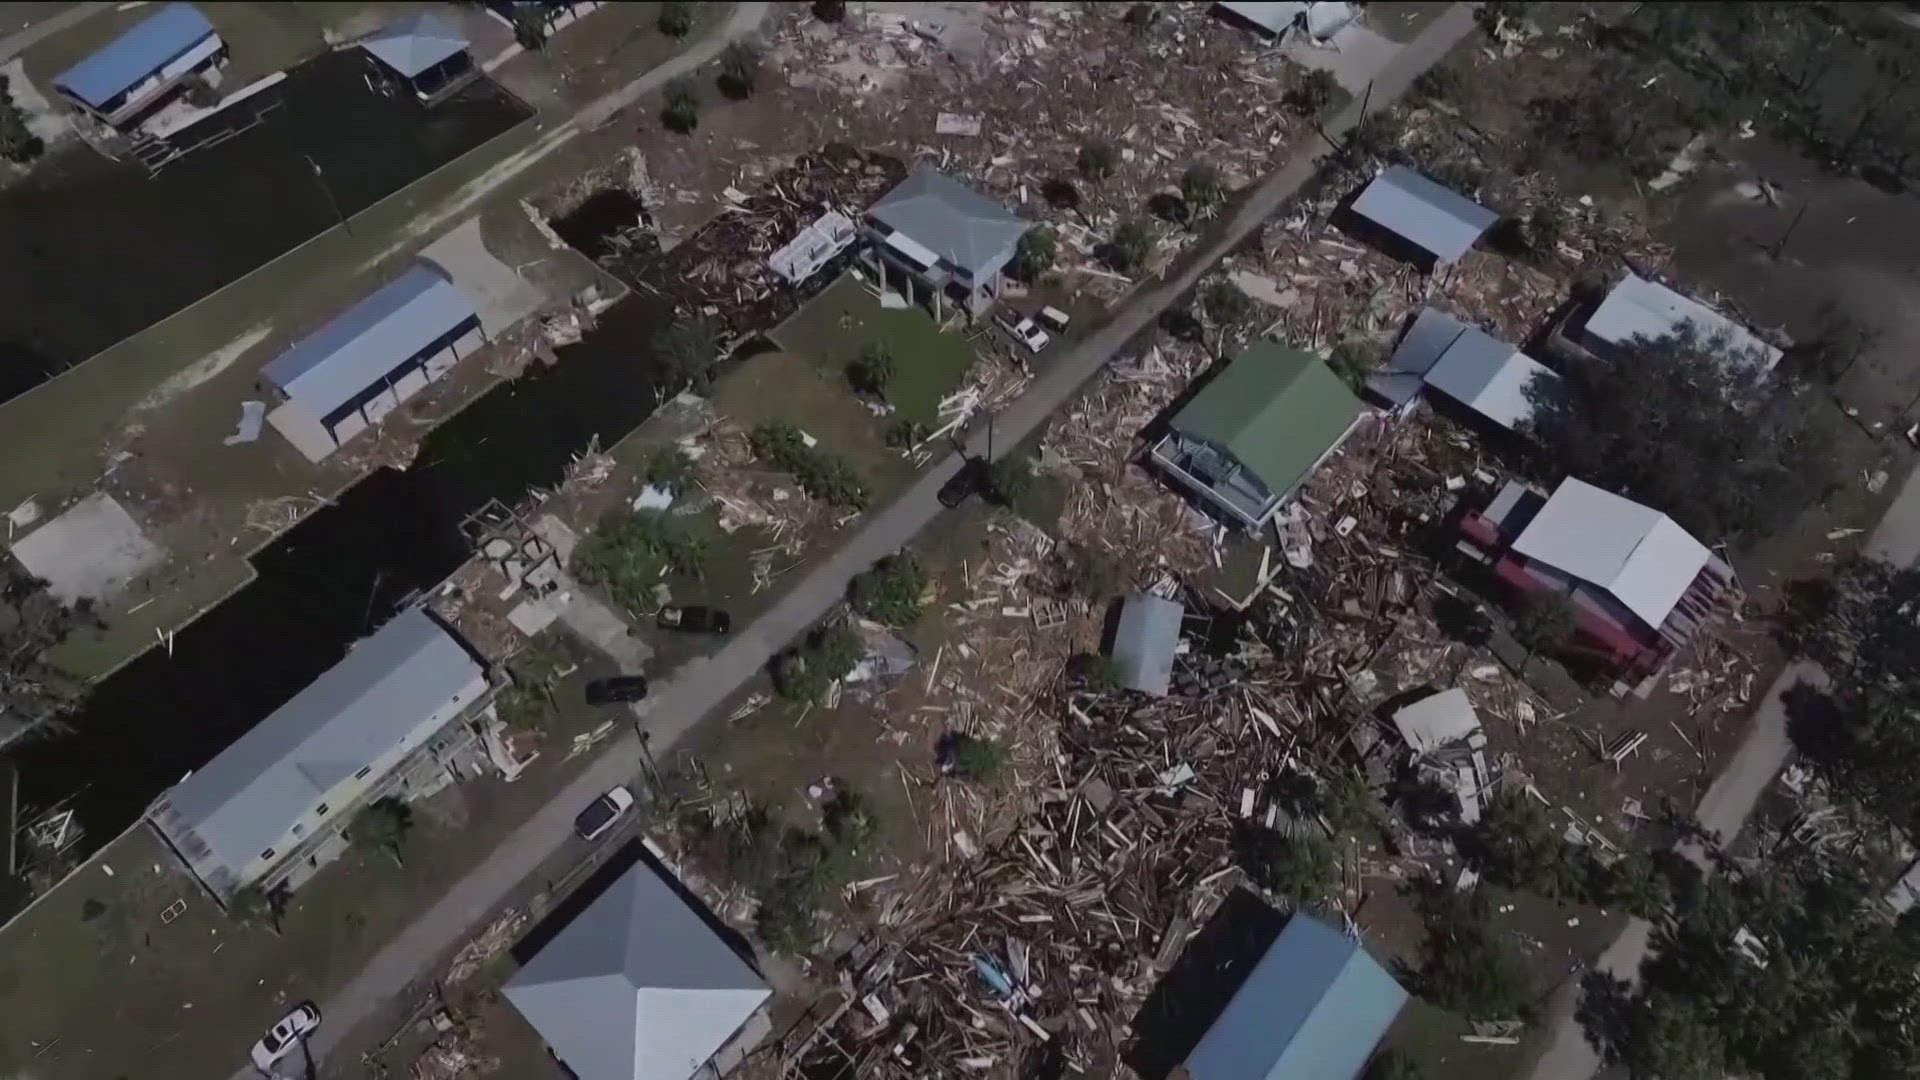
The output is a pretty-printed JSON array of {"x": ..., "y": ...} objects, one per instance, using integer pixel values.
[
  {"x": 972, "y": 757},
  {"x": 530, "y": 27},
  {"x": 818, "y": 473},
  {"x": 1039, "y": 249},
  {"x": 1094, "y": 673},
  {"x": 1299, "y": 868},
  {"x": 630, "y": 551},
  {"x": 1311, "y": 93},
  {"x": 676, "y": 18},
  {"x": 739, "y": 69},
  {"x": 669, "y": 467},
  {"x": 32, "y": 622},
  {"x": 1097, "y": 160},
  {"x": 905, "y": 434},
  {"x": 1392, "y": 1065},
  {"x": 872, "y": 371},
  {"x": 1545, "y": 623},
  {"x": 1088, "y": 572},
  {"x": 1201, "y": 187},
  {"x": 890, "y": 591},
  {"x": 384, "y": 826},
  {"x": 1686, "y": 426},
  {"x": 1467, "y": 964},
  {"x": 1352, "y": 360},
  {"x": 1349, "y": 805},
  {"x": 1132, "y": 243},
  {"x": 1225, "y": 302},
  {"x": 680, "y": 112},
  {"x": 791, "y": 871},
  {"x": 686, "y": 351},
  {"x": 17, "y": 143},
  {"x": 804, "y": 672}
]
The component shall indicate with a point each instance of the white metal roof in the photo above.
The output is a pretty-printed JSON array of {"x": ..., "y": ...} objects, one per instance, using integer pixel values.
[
  {"x": 1640, "y": 308},
  {"x": 1433, "y": 722},
  {"x": 1637, "y": 554},
  {"x": 413, "y": 44},
  {"x": 1273, "y": 16},
  {"x": 1437, "y": 218},
  {"x": 1488, "y": 376}
]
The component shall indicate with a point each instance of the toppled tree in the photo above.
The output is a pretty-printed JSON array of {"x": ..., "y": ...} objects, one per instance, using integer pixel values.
[
  {"x": 1038, "y": 249},
  {"x": 1097, "y": 160},
  {"x": 804, "y": 672},
  {"x": 384, "y": 826},
  {"x": 818, "y": 473},
  {"x": 686, "y": 352},
  {"x": 1131, "y": 244},
  {"x": 970, "y": 757},
  {"x": 1688, "y": 426},
  {"x": 872, "y": 371},
  {"x": 890, "y": 591},
  {"x": 739, "y": 69},
  {"x": 676, "y": 18},
  {"x": 1311, "y": 93},
  {"x": 681, "y": 111}
]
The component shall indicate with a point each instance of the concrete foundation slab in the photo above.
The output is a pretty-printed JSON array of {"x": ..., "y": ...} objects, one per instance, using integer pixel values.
[{"x": 90, "y": 552}]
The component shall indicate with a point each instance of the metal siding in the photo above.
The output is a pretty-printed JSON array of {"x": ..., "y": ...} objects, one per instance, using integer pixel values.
[
  {"x": 338, "y": 362},
  {"x": 1438, "y": 219},
  {"x": 133, "y": 56}
]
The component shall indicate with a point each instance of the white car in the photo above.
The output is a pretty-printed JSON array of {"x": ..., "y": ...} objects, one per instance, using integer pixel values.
[
  {"x": 601, "y": 814},
  {"x": 1028, "y": 333},
  {"x": 282, "y": 1037},
  {"x": 1054, "y": 319}
]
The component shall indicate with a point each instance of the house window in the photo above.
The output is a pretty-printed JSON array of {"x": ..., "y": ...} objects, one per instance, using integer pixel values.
[
  {"x": 362, "y": 774},
  {"x": 267, "y": 854},
  {"x": 298, "y": 829},
  {"x": 321, "y": 810}
]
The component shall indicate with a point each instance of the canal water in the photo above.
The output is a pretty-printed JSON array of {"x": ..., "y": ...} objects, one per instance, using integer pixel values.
[
  {"x": 93, "y": 251},
  {"x": 339, "y": 575}
]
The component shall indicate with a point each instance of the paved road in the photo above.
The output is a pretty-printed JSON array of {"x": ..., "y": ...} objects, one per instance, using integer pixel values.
[
  {"x": 20, "y": 41},
  {"x": 681, "y": 700},
  {"x": 1727, "y": 804}
]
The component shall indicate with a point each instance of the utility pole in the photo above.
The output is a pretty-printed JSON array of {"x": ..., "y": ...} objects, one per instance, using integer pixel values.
[
  {"x": 1780, "y": 245},
  {"x": 328, "y": 192}
]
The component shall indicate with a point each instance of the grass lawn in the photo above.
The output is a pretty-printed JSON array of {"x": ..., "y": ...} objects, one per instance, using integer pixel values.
[
  {"x": 846, "y": 318},
  {"x": 796, "y": 389}
]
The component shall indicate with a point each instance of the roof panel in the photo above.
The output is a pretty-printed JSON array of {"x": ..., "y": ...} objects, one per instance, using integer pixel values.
[
  {"x": 337, "y": 362},
  {"x": 1640, "y": 308},
  {"x": 1436, "y": 720},
  {"x": 1276, "y": 409},
  {"x": 1438, "y": 219},
  {"x": 1313, "y": 1008},
  {"x": 250, "y": 794},
  {"x": 415, "y": 43},
  {"x": 1488, "y": 376},
  {"x": 143, "y": 49},
  {"x": 960, "y": 225},
  {"x": 1145, "y": 641},
  {"x": 637, "y": 986},
  {"x": 1273, "y": 16},
  {"x": 1402, "y": 376},
  {"x": 1637, "y": 554}
]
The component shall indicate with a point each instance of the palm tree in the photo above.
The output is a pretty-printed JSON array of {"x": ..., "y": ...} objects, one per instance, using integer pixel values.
[{"x": 383, "y": 826}]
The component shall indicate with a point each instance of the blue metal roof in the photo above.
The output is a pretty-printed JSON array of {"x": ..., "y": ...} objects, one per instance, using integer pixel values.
[
  {"x": 335, "y": 363},
  {"x": 136, "y": 54},
  {"x": 1314, "y": 1008}
]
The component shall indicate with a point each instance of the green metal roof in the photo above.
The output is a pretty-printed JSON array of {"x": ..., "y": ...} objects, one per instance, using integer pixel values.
[{"x": 1275, "y": 408}]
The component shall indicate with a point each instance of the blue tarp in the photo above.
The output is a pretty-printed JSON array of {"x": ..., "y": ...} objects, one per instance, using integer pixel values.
[
  {"x": 162, "y": 38},
  {"x": 1314, "y": 1008},
  {"x": 337, "y": 362}
]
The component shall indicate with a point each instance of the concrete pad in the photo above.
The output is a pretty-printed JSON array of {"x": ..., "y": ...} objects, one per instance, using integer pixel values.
[
  {"x": 501, "y": 296},
  {"x": 90, "y": 552},
  {"x": 1354, "y": 55},
  {"x": 307, "y": 435}
]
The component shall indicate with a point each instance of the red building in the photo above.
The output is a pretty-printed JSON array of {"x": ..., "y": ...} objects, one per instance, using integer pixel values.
[{"x": 1640, "y": 585}]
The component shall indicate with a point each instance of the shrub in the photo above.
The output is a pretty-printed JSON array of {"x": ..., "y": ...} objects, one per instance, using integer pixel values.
[
  {"x": 904, "y": 434},
  {"x": 676, "y": 18},
  {"x": 1313, "y": 92},
  {"x": 1094, "y": 673},
  {"x": 530, "y": 27},
  {"x": 872, "y": 371},
  {"x": 804, "y": 672},
  {"x": 818, "y": 473},
  {"x": 668, "y": 467},
  {"x": 1226, "y": 302},
  {"x": 1298, "y": 868},
  {"x": 384, "y": 826},
  {"x": 1201, "y": 187},
  {"x": 1352, "y": 360},
  {"x": 629, "y": 551},
  {"x": 739, "y": 69},
  {"x": 17, "y": 143},
  {"x": 1132, "y": 243},
  {"x": 890, "y": 591},
  {"x": 1098, "y": 159},
  {"x": 971, "y": 757},
  {"x": 1038, "y": 250},
  {"x": 681, "y": 113}
]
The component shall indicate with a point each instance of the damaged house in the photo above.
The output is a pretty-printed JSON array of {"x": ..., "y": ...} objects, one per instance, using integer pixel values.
[
  {"x": 1643, "y": 309},
  {"x": 1256, "y": 430},
  {"x": 1416, "y": 219},
  {"x": 1469, "y": 368},
  {"x": 1641, "y": 586},
  {"x": 942, "y": 243}
]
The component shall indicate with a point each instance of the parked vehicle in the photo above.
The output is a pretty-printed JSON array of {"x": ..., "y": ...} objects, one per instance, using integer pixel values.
[
  {"x": 601, "y": 814},
  {"x": 694, "y": 619},
  {"x": 972, "y": 477},
  {"x": 616, "y": 690},
  {"x": 282, "y": 1037},
  {"x": 1026, "y": 332},
  {"x": 1054, "y": 319}
]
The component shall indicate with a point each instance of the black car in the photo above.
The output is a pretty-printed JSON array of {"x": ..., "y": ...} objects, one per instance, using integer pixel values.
[
  {"x": 694, "y": 619},
  {"x": 971, "y": 478},
  {"x": 618, "y": 689}
]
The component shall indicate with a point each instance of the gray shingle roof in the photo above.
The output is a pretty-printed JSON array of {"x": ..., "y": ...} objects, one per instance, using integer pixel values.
[
  {"x": 415, "y": 43},
  {"x": 1144, "y": 642},
  {"x": 637, "y": 986},
  {"x": 1437, "y": 218},
  {"x": 335, "y": 363},
  {"x": 249, "y": 795},
  {"x": 964, "y": 228}
]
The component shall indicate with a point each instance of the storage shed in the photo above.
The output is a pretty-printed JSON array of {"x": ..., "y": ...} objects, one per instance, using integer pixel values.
[
  {"x": 1145, "y": 642},
  {"x": 136, "y": 71},
  {"x": 352, "y": 372},
  {"x": 1432, "y": 217}
]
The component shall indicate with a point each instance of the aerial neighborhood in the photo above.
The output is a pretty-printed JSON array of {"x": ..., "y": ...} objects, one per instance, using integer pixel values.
[{"x": 876, "y": 541}]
